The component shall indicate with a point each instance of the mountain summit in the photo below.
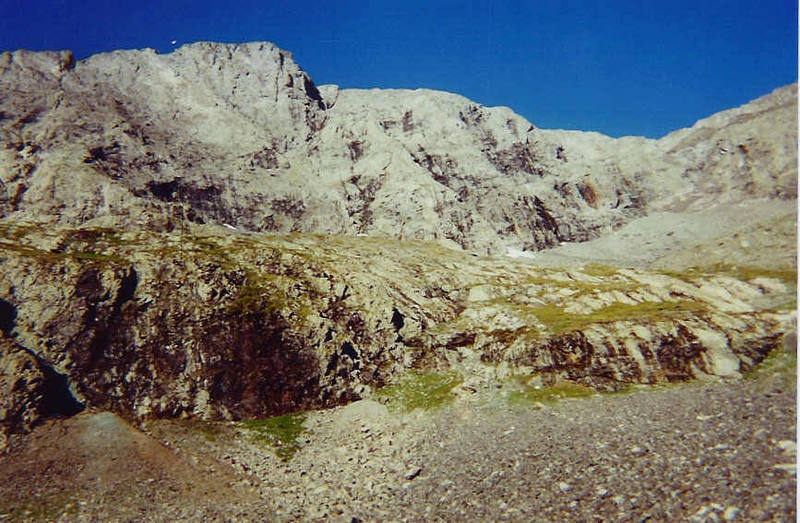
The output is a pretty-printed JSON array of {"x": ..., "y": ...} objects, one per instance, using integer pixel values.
[{"x": 239, "y": 134}]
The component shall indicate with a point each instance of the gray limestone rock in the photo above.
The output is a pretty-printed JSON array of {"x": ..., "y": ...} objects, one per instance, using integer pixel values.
[{"x": 239, "y": 134}]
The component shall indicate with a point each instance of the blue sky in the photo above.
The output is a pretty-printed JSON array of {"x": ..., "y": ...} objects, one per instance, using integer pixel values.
[{"x": 618, "y": 67}]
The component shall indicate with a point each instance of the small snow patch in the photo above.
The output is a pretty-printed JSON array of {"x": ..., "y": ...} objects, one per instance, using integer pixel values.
[{"x": 516, "y": 253}]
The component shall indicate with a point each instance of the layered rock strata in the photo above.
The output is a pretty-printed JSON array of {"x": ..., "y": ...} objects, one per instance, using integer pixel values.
[{"x": 230, "y": 326}]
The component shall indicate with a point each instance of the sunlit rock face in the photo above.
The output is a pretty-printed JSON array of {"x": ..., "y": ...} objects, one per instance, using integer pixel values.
[
  {"x": 239, "y": 134},
  {"x": 213, "y": 326},
  {"x": 208, "y": 234}
]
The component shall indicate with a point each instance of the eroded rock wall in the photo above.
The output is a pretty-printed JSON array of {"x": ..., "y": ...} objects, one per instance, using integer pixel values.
[{"x": 239, "y": 326}]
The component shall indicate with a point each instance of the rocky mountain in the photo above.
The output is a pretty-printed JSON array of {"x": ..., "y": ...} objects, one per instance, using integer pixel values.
[
  {"x": 239, "y": 134},
  {"x": 181, "y": 334},
  {"x": 194, "y": 243},
  {"x": 136, "y": 190}
]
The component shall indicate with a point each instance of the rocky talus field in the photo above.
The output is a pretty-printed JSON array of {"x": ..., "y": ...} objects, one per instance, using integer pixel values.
[{"x": 227, "y": 293}]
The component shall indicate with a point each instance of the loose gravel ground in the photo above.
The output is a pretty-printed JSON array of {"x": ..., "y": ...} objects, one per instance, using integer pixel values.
[
  {"x": 713, "y": 452},
  {"x": 697, "y": 452}
]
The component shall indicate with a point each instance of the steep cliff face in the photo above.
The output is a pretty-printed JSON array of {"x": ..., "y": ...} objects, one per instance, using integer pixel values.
[
  {"x": 147, "y": 139},
  {"x": 239, "y": 134}
]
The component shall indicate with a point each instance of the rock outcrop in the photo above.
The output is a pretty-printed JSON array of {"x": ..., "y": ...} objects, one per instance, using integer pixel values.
[{"x": 241, "y": 326}]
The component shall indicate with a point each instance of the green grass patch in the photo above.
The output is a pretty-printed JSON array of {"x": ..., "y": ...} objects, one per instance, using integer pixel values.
[
  {"x": 210, "y": 430},
  {"x": 557, "y": 321},
  {"x": 53, "y": 257},
  {"x": 788, "y": 276},
  {"x": 782, "y": 360},
  {"x": 263, "y": 293},
  {"x": 210, "y": 249},
  {"x": 420, "y": 391},
  {"x": 744, "y": 273},
  {"x": 600, "y": 270},
  {"x": 94, "y": 235},
  {"x": 59, "y": 506},
  {"x": 789, "y": 304},
  {"x": 31, "y": 252},
  {"x": 77, "y": 244},
  {"x": 530, "y": 394},
  {"x": 282, "y": 432},
  {"x": 599, "y": 281},
  {"x": 251, "y": 298},
  {"x": 94, "y": 256}
]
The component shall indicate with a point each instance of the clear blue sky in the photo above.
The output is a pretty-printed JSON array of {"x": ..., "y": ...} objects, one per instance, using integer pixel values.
[{"x": 619, "y": 67}]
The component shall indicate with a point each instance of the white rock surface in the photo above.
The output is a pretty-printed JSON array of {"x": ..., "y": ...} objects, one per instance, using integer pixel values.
[{"x": 239, "y": 134}]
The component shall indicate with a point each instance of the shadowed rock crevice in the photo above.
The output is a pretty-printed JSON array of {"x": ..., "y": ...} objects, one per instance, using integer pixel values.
[
  {"x": 57, "y": 399},
  {"x": 8, "y": 316},
  {"x": 31, "y": 390},
  {"x": 127, "y": 289},
  {"x": 261, "y": 369},
  {"x": 313, "y": 93},
  {"x": 677, "y": 354},
  {"x": 398, "y": 320},
  {"x": 164, "y": 190}
]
